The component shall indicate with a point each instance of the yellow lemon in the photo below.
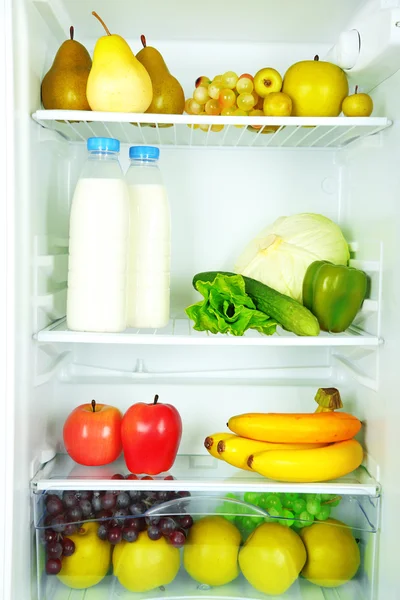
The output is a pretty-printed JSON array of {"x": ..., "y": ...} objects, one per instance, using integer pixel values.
[
  {"x": 272, "y": 558},
  {"x": 90, "y": 561},
  {"x": 211, "y": 551},
  {"x": 145, "y": 564},
  {"x": 333, "y": 556}
]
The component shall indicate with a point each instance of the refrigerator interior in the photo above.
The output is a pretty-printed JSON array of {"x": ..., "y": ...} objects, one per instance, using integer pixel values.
[{"x": 220, "y": 198}]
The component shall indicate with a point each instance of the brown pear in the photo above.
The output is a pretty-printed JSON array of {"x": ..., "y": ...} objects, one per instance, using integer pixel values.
[
  {"x": 168, "y": 95},
  {"x": 64, "y": 85}
]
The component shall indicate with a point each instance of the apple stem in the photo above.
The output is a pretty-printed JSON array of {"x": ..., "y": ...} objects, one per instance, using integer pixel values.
[
  {"x": 156, "y": 399},
  {"x": 94, "y": 405},
  {"x": 71, "y": 32},
  {"x": 356, "y": 90},
  {"x": 94, "y": 13},
  {"x": 143, "y": 40},
  {"x": 316, "y": 57}
]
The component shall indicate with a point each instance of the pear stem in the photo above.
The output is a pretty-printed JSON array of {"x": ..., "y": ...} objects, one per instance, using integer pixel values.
[
  {"x": 143, "y": 40},
  {"x": 356, "y": 90},
  {"x": 71, "y": 32},
  {"x": 101, "y": 21}
]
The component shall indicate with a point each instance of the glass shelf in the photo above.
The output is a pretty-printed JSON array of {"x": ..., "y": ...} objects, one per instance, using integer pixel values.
[{"x": 194, "y": 473}]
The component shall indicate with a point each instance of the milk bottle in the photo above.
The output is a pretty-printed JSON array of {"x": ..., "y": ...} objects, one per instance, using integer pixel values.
[{"x": 98, "y": 242}]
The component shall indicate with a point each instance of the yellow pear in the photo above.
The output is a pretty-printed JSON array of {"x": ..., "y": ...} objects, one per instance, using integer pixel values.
[
  {"x": 317, "y": 88},
  {"x": 333, "y": 555},
  {"x": 357, "y": 105},
  {"x": 272, "y": 558},
  {"x": 118, "y": 82},
  {"x": 90, "y": 562},
  {"x": 168, "y": 95},
  {"x": 64, "y": 85}
]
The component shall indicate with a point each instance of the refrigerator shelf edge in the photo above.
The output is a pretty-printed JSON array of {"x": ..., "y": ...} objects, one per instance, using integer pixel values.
[
  {"x": 179, "y": 130},
  {"x": 179, "y": 332},
  {"x": 194, "y": 473}
]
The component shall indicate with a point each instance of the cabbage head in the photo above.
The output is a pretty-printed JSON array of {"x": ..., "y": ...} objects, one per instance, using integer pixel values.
[{"x": 280, "y": 255}]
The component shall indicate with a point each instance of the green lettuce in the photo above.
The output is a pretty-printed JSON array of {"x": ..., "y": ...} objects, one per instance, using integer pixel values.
[{"x": 226, "y": 308}]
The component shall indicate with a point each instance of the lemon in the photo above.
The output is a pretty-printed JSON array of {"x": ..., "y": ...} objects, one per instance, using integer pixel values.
[
  {"x": 333, "y": 556},
  {"x": 145, "y": 564},
  {"x": 317, "y": 88},
  {"x": 272, "y": 558},
  {"x": 211, "y": 550},
  {"x": 90, "y": 561}
]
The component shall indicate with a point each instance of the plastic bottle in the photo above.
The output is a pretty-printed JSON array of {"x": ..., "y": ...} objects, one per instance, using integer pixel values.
[
  {"x": 149, "y": 241},
  {"x": 98, "y": 242}
]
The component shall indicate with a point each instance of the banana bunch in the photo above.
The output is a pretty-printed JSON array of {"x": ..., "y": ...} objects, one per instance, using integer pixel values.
[{"x": 299, "y": 447}]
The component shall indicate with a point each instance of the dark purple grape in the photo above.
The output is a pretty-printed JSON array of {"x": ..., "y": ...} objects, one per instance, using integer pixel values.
[
  {"x": 47, "y": 520},
  {"x": 129, "y": 534},
  {"x": 74, "y": 515},
  {"x": 53, "y": 566},
  {"x": 114, "y": 535},
  {"x": 84, "y": 495},
  {"x": 120, "y": 515},
  {"x": 186, "y": 521},
  {"x": 183, "y": 494},
  {"x": 154, "y": 532},
  {"x": 69, "y": 499},
  {"x": 117, "y": 476},
  {"x": 103, "y": 515},
  {"x": 58, "y": 523},
  {"x": 123, "y": 500},
  {"x": 142, "y": 524},
  {"x": 162, "y": 496},
  {"x": 54, "y": 506},
  {"x": 50, "y": 536},
  {"x": 86, "y": 507},
  {"x": 102, "y": 531},
  {"x": 71, "y": 528},
  {"x": 177, "y": 538},
  {"x": 167, "y": 526},
  {"x": 137, "y": 509},
  {"x": 54, "y": 550},
  {"x": 153, "y": 520},
  {"x": 96, "y": 503},
  {"x": 108, "y": 501},
  {"x": 68, "y": 547},
  {"x": 135, "y": 495}
]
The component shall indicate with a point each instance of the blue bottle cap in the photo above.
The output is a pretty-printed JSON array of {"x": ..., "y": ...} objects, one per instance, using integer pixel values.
[
  {"x": 103, "y": 144},
  {"x": 144, "y": 152}
]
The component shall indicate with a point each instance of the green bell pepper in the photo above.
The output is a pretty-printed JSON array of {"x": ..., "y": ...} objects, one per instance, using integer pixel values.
[{"x": 334, "y": 294}]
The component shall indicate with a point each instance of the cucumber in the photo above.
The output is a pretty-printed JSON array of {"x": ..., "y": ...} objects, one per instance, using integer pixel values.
[{"x": 289, "y": 313}]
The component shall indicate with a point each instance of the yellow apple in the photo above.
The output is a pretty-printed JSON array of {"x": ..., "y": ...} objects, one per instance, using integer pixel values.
[
  {"x": 357, "y": 105},
  {"x": 317, "y": 88},
  {"x": 277, "y": 104},
  {"x": 267, "y": 81}
]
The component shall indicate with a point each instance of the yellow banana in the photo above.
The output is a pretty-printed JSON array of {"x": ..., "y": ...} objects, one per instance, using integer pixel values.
[
  {"x": 236, "y": 450},
  {"x": 321, "y": 464},
  {"x": 211, "y": 442}
]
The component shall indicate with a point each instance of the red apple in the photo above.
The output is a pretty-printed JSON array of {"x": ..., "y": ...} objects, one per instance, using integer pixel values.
[
  {"x": 151, "y": 434},
  {"x": 92, "y": 434}
]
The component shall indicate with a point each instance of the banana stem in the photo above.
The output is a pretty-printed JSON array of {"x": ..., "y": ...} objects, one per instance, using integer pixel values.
[
  {"x": 328, "y": 400},
  {"x": 94, "y": 13}
]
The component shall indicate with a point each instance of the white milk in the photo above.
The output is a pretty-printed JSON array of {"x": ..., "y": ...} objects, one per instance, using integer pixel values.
[
  {"x": 99, "y": 230},
  {"x": 149, "y": 256}
]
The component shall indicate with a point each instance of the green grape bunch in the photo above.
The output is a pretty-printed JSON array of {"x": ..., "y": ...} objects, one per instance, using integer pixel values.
[{"x": 290, "y": 510}]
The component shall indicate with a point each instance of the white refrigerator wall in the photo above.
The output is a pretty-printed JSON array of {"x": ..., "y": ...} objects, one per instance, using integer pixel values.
[{"x": 219, "y": 200}]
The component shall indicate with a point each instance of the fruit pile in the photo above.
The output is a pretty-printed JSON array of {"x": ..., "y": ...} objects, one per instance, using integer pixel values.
[
  {"x": 288, "y": 509},
  {"x": 298, "y": 447},
  {"x": 120, "y": 516}
]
